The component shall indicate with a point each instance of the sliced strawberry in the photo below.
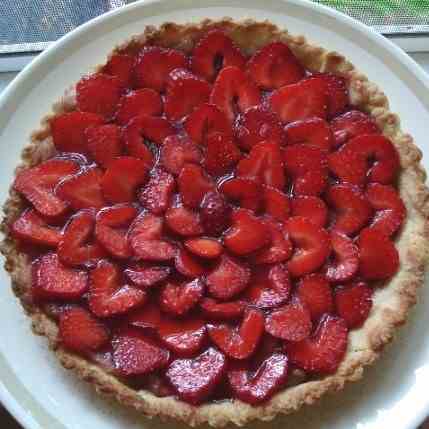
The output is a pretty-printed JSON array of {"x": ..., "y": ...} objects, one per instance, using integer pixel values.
[
  {"x": 136, "y": 354},
  {"x": 346, "y": 262},
  {"x": 177, "y": 151},
  {"x": 107, "y": 296},
  {"x": 157, "y": 194},
  {"x": 37, "y": 185},
  {"x": 312, "y": 246},
  {"x": 247, "y": 234},
  {"x": 121, "y": 66},
  {"x": 353, "y": 303},
  {"x": 215, "y": 310},
  {"x": 207, "y": 248},
  {"x": 351, "y": 206},
  {"x": 221, "y": 155},
  {"x": 233, "y": 91},
  {"x": 193, "y": 185},
  {"x": 204, "y": 120},
  {"x": 80, "y": 331},
  {"x": 147, "y": 276},
  {"x": 248, "y": 192},
  {"x": 291, "y": 322},
  {"x": 228, "y": 278},
  {"x": 390, "y": 210},
  {"x": 119, "y": 187},
  {"x": 179, "y": 299},
  {"x": 146, "y": 317},
  {"x": 256, "y": 387},
  {"x": 184, "y": 337},
  {"x": 213, "y": 52},
  {"x": 315, "y": 292},
  {"x": 99, "y": 93},
  {"x": 111, "y": 229},
  {"x": 183, "y": 221},
  {"x": 73, "y": 249},
  {"x": 188, "y": 265},
  {"x": 144, "y": 101},
  {"x": 314, "y": 132},
  {"x": 379, "y": 259},
  {"x": 338, "y": 94},
  {"x": 214, "y": 213},
  {"x": 324, "y": 350},
  {"x": 31, "y": 228},
  {"x": 257, "y": 124},
  {"x": 104, "y": 143},
  {"x": 154, "y": 64},
  {"x": 54, "y": 281},
  {"x": 239, "y": 342},
  {"x": 184, "y": 92},
  {"x": 312, "y": 208},
  {"x": 195, "y": 379},
  {"x": 269, "y": 286},
  {"x": 302, "y": 100},
  {"x": 276, "y": 204}
]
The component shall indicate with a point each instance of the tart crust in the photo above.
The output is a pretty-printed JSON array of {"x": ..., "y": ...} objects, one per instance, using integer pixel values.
[{"x": 391, "y": 303}]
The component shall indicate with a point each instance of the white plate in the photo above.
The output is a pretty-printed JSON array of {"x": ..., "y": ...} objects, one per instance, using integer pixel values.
[{"x": 38, "y": 392}]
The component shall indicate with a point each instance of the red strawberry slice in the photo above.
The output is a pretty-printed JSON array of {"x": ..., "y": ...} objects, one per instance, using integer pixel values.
[
  {"x": 312, "y": 246},
  {"x": 215, "y": 310},
  {"x": 248, "y": 192},
  {"x": 256, "y": 387},
  {"x": 111, "y": 229},
  {"x": 54, "y": 281},
  {"x": 379, "y": 259},
  {"x": 31, "y": 228},
  {"x": 324, "y": 350},
  {"x": 80, "y": 331},
  {"x": 146, "y": 317},
  {"x": 234, "y": 92},
  {"x": 239, "y": 342},
  {"x": 214, "y": 213},
  {"x": 346, "y": 262},
  {"x": 315, "y": 292},
  {"x": 338, "y": 94},
  {"x": 146, "y": 275},
  {"x": 184, "y": 337},
  {"x": 121, "y": 66},
  {"x": 291, "y": 322},
  {"x": 83, "y": 190},
  {"x": 37, "y": 185},
  {"x": 352, "y": 124},
  {"x": 136, "y": 354},
  {"x": 276, "y": 204},
  {"x": 184, "y": 92},
  {"x": 390, "y": 210},
  {"x": 247, "y": 234},
  {"x": 107, "y": 296},
  {"x": 188, "y": 265},
  {"x": 312, "y": 208},
  {"x": 221, "y": 154},
  {"x": 184, "y": 221},
  {"x": 302, "y": 100},
  {"x": 228, "y": 278},
  {"x": 144, "y": 101},
  {"x": 154, "y": 64},
  {"x": 258, "y": 124},
  {"x": 274, "y": 66},
  {"x": 351, "y": 206},
  {"x": 119, "y": 187},
  {"x": 353, "y": 303},
  {"x": 207, "y": 248},
  {"x": 157, "y": 193},
  {"x": 314, "y": 132},
  {"x": 68, "y": 130},
  {"x": 195, "y": 379},
  {"x": 264, "y": 163},
  {"x": 269, "y": 286},
  {"x": 204, "y": 120},
  {"x": 73, "y": 249},
  {"x": 104, "y": 143},
  {"x": 213, "y": 52},
  {"x": 193, "y": 185},
  {"x": 177, "y": 151},
  {"x": 179, "y": 299}
]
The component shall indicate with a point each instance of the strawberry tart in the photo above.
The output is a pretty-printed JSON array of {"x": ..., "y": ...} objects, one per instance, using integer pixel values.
[{"x": 220, "y": 224}]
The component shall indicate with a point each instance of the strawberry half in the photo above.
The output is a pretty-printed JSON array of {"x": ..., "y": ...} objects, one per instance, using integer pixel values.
[
  {"x": 338, "y": 94},
  {"x": 104, "y": 143},
  {"x": 310, "y": 207},
  {"x": 158, "y": 192},
  {"x": 146, "y": 275},
  {"x": 215, "y": 213},
  {"x": 221, "y": 154},
  {"x": 179, "y": 299},
  {"x": 276, "y": 204},
  {"x": 215, "y": 310},
  {"x": 188, "y": 265},
  {"x": 183, "y": 221},
  {"x": 313, "y": 132},
  {"x": 121, "y": 66},
  {"x": 207, "y": 248},
  {"x": 248, "y": 192},
  {"x": 193, "y": 184}
]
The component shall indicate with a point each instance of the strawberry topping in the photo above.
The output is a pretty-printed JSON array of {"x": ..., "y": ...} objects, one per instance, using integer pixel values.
[
  {"x": 157, "y": 193},
  {"x": 104, "y": 143},
  {"x": 215, "y": 310},
  {"x": 314, "y": 132},
  {"x": 178, "y": 299}
]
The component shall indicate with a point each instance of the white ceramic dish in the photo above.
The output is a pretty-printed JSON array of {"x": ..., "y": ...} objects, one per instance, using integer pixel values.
[{"x": 35, "y": 389}]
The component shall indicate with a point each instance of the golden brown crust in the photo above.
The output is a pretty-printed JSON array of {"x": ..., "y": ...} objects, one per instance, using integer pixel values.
[{"x": 391, "y": 303}]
